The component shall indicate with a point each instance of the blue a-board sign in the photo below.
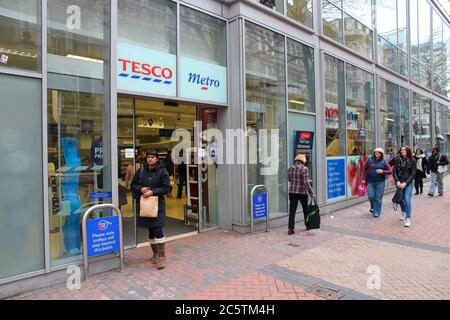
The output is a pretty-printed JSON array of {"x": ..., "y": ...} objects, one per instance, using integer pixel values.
[
  {"x": 336, "y": 179},
  {"x": 97, "y": 195},
  {"x": 103, "y": 236},
  {"x": 259, "y": 205}
]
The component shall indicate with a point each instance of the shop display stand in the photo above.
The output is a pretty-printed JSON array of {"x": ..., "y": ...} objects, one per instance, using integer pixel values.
[{"x": 191, "y": 209}]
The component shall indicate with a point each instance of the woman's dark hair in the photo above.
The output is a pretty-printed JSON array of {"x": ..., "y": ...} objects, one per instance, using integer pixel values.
[
  {"x": 382, "y": 155},
  {"x": 419, "y": 149},
  {"x": 408, "y": 154}
]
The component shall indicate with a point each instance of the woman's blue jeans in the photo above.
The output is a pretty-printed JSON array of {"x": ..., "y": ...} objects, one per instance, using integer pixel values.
[
  {"x": 375, "y": 192},
  {"x": 406, "y": 205}
]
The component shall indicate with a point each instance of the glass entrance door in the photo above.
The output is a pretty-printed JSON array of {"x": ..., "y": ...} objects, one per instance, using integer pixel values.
[
  {"x": 192, "y": 204},
  {"x": 126, "y": 167},
  {"x": 145, "y": 124}
]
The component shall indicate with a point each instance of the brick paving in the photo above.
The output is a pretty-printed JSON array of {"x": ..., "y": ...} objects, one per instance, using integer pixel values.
[{"x": 330, "y": 263}]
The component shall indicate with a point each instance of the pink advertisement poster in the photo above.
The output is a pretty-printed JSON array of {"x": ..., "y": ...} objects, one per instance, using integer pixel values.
[{"x": 355, "y": 166}]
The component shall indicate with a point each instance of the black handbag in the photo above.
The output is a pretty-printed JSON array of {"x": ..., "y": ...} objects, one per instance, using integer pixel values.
[
  {"x": 398, "y": 199},
  {"x": 313, "y": 217}
]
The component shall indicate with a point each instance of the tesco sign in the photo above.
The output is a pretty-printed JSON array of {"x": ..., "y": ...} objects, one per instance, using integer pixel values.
[{"x": 143, "y": 69}]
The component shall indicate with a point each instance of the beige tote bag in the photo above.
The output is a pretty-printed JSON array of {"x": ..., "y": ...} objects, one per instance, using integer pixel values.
[{"x": 149, "y": 207}]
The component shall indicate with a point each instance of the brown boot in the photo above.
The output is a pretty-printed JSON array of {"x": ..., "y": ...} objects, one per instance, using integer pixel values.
[
  {"x": 154, "y": 259},
  {"x": 161, "y": 247}
]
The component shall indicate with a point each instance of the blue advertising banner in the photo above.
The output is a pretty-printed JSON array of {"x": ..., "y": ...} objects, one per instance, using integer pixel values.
[
  {"x": 103, "y": 236},
  {"x": 336, "y": 178},
  {"x": 259, "y": 205},
  {"x": 98, "y": 195}
]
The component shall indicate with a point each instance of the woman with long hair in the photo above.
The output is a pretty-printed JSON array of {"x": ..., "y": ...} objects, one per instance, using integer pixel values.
[{"x": 404, "y": 174}]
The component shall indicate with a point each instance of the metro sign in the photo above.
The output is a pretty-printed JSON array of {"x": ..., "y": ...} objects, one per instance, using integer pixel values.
[
  {"x": 204, "y": 82},
  {"x": 146, "y": 72}
]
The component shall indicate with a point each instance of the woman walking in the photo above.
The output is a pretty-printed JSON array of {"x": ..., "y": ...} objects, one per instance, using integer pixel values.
[
  {"x": 375, "y": 171},
  {"x": 422, "y": 167},
  {"x": 404, "y": 174},
  {"x": 153, "y": 180}
]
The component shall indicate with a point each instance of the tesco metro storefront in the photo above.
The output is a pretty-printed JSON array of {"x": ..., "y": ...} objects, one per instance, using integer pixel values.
[{"x": 86, "y": 86}]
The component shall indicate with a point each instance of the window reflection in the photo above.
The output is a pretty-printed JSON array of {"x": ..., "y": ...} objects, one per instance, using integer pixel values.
[
  {"x": 442, "y": 127},
  {"x": 360, "y": 121},
  {"x": 332, "y": 22},
  {"x": 266, "y": 107},
  {"x": 421, "y": 45},
  {"x": 360, "y": 112},
  {"x": 20, "y": 35},
  {"x": 358, "y": 37},
  {"x": 203, "y": 36},
  {"x": 394, "y": 117},
  {"x": 404, "y": 111},
  {"x": 349, "y": 117},
  {"x": 440, "y": 55},
  {"x": 334, "y": 107},
  {"x": 301, "y": 11},
  {"x": 392, "y": 34},
  {"x": 78, "y": 120},
  {"x": 150, "y": 23},
  {"x": 342, "y": 26},
  {"x": 301, "y": 77},
  {"x": 422, "y": 123}
]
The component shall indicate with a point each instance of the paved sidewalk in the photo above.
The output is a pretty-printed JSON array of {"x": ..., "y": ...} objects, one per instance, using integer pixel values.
[{"x": 339, "y": 261}]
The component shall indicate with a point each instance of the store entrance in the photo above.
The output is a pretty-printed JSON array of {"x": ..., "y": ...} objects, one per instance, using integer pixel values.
[{"x": 145, "y": 124}]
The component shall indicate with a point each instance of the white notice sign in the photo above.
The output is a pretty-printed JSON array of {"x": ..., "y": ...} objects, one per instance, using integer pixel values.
[{"x": 129, "y": 153}]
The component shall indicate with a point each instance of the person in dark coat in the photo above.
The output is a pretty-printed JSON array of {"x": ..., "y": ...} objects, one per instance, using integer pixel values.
[
  {"x": 153, "y": 181},
  {"x": 182, "y": 177},
  {"x": 421, "y": 172},
  {"x": 404, "y": 173}
]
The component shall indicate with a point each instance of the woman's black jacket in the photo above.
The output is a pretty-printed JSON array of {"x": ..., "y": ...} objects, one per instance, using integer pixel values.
[
  {"x": 404, "y": 173},
  {"x": 157, "y": 180}
]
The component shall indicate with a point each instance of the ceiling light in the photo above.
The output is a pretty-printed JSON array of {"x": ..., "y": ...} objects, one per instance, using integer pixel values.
[
  {"x": 73, "y": 56},
  {"x": 297, "y": 102}
]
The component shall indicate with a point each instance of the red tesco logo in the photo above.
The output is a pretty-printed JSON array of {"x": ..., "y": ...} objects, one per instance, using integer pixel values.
[{"x": 146, "y": 69}]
